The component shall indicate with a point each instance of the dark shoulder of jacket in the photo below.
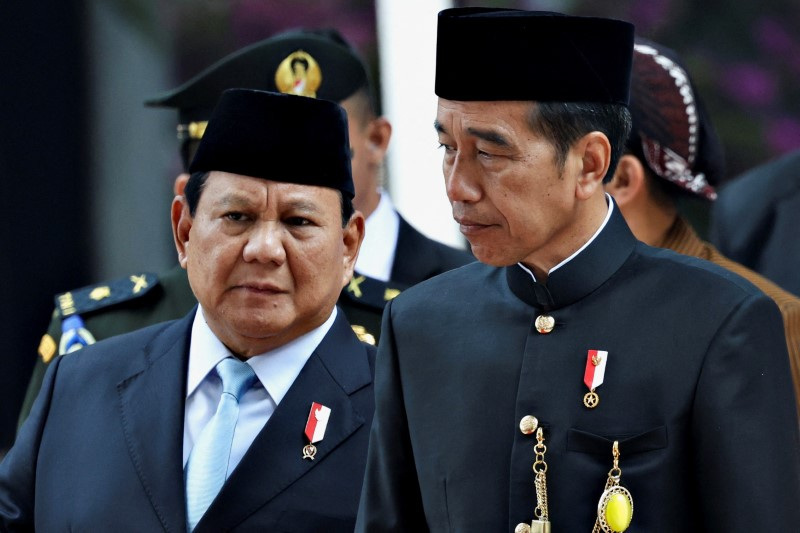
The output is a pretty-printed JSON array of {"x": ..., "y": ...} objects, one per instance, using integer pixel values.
[{"x": 103, "y": 295}]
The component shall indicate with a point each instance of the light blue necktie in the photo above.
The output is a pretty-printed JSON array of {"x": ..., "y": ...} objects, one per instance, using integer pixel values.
[{"x": 208, "y": 461}]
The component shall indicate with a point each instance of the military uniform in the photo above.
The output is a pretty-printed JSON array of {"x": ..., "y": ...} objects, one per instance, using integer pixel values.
[{"x": 96, "y": 312}]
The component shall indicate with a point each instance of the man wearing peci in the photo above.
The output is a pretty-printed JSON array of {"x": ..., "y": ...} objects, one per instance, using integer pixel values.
[
  {"x": 575, "y": 379},
  {"x": 252, "y": 411},
  {"x": 394, "y": 254}
]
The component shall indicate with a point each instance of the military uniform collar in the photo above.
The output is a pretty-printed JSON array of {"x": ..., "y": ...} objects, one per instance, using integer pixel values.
[{"x": 582, "y": 274}]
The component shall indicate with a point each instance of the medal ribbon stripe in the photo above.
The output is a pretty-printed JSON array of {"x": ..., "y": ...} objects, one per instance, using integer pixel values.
[
  {"x": 317, "y": 422},
  {"x": 595, "y": 368}
]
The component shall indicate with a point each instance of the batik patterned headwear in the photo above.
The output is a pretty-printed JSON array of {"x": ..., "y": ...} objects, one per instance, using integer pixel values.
[{"x": 675, "y": 136}]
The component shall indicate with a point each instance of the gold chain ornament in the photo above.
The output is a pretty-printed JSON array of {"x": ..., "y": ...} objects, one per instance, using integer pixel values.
[
  {"x": 615, "y": 508},
  {"x": 542, "y": 522}
]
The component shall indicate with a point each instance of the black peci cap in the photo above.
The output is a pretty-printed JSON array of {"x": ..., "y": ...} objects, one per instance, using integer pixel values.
[
  {"x": 505, "y": 54},
  {"x": 672, "y": 133},
  {"x": 316, "y": 63},
  {"x": 278, "y": 137}
]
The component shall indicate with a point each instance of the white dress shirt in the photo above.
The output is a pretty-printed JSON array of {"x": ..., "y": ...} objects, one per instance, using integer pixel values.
[
  {"x": 276, "y": 371},
  {"x": 380, "y": 240}
]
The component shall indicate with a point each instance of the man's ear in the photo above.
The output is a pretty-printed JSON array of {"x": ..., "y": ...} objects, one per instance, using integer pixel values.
[
  {"x": 379, "y": 133},
  {"x": 180, "y": 183},
  {"x": 594, "y": 150},
  {"x": 353, "y": 236},
  {"x": 628, "y": 183},
  {"x": 181, "y": 225}
]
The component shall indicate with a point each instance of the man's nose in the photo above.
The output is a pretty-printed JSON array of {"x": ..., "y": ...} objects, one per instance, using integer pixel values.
[
  {"x": 461, "y": 180},
  {"x": 265, "y": 244}
]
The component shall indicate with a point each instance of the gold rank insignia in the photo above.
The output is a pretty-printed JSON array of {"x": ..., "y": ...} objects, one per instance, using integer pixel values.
[
  {"x": 47, "y": 347},
  {"x": 354, "y": 288},
  {"x": 390, "y": 294},
  {"x": 363, "y": 335},
  {"x": 139, "y": 283},
  {"x": 298, "y": 74},
  {"x": 98, "y": 293}
]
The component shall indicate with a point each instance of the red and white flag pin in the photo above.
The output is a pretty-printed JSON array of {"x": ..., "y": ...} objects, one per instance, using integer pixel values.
[
  {"x": 593, "y": 376},
  {"x": 315, "y": 428}
]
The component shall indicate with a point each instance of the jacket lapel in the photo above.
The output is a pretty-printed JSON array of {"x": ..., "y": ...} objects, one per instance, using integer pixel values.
[
  {"x": 337, "y": 368},
  {"x": 151, "y": 402}
]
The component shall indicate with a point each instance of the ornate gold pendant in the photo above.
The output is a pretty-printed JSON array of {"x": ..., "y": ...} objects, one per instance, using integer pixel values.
[
  {"x": 591, "y": 399},
  {"x": 615, "y": 509}
]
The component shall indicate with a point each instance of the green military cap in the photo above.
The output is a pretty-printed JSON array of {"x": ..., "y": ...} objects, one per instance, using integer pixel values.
[{"x": 316, "y": 63}]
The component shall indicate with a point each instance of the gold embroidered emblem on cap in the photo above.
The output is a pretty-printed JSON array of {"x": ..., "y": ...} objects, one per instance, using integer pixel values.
[
  {"x": 139, "y": 283},
  {"x": 353, "y": 286},
  {"x": 390, "y": 294},
  {"x": 98, "y": 293},
  {"x": 363, "y": 335},
  {"x": 47, "y": 347},
  {"x": 197, "y": 129},
  {"x": 528, "y": 424},
  {"x": 298, "y": 74},
  {"x": 544, "y": 324}
]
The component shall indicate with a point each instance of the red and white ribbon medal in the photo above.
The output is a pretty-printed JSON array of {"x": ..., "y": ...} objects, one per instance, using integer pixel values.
[
  {"x": 315, "y": 428},
  {"x": 593, "y": 376}
]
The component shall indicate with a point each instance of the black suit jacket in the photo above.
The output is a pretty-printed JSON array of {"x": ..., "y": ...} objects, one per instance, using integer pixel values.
[
  {"x": 697, "y": 391},
  {"x": 102, "y": 449},
  {"x": 756, "y": 218}
]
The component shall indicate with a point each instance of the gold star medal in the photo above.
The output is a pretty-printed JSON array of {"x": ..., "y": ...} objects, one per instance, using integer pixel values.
[{"x": 593, "y": 376}]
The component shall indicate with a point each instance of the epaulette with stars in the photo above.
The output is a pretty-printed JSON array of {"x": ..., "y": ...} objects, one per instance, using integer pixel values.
[
  {"x": 372, "y": 292},
  {"x": 93, "y": 297},
  {"x": 72, "y": 304}
]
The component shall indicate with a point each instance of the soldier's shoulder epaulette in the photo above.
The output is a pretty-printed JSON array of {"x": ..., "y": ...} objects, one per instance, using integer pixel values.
[
  {"x": 372, "y": 292},
  {"x": 93, "y": 297}
]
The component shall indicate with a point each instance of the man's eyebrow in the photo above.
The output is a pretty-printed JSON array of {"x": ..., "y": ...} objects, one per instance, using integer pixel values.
[
  {"x": 302, "y": 205},
  {"x": 233, "y": 199},
  {"x": 438, "y": 127},
  {"x": 489, "y": 136}
]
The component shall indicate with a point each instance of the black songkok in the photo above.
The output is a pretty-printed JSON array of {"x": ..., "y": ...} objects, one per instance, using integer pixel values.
[
  {"x": 278, "y": 137},
  {"x": 503, "y": 54}
]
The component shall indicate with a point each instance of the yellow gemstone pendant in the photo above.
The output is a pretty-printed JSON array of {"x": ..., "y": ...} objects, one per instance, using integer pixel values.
[{"x": 615, "y": 509}]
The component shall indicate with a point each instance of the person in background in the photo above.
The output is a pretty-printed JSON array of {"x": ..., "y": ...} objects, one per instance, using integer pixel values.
[
  {"x": 252, "y": 412},
  {"x": 394, "y": 255},
  {"x": 575, "y": 379},
  {"x": 756, "y": 218},
  {"x": 673, "y": 151}
]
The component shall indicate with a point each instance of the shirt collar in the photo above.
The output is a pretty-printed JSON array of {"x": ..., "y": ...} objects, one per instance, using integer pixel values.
[
  {"x": 276, "y": 369},
  {"x": 376, "y": 256}
]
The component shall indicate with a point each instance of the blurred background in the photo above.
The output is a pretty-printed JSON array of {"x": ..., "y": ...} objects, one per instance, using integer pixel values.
[{"x": 87, "y": 170}]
